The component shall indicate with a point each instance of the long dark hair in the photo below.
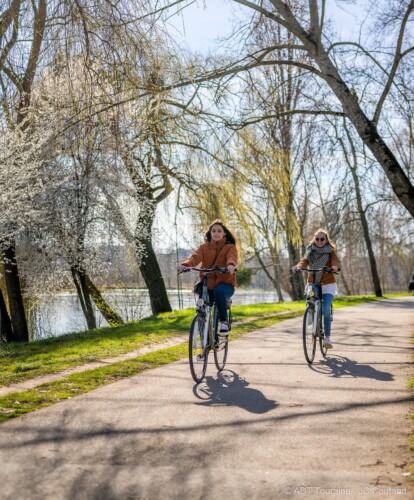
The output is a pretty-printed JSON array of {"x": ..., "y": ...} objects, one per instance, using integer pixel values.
[{"x": 230, "y": 238}]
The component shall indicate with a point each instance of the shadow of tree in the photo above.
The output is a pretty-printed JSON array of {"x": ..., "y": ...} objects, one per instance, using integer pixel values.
[
  {"x": 340, "y": 366},
  {"x": 229, "y": 389}
]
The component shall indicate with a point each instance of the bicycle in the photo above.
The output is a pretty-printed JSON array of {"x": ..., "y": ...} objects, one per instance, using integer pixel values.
[
  {"x": 313, "y": 328},
  {"x": 204, "y": 335}
]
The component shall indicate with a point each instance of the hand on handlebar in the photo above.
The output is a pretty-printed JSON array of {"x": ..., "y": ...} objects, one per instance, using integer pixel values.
[
  {"x": 333, "y": 269},
  {"x": 231, "y": 268},
  {"x": 183, "y": 269}
]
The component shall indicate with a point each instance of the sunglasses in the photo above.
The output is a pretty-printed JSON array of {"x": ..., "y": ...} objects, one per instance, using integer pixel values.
[{"x": 319, "y": 239}]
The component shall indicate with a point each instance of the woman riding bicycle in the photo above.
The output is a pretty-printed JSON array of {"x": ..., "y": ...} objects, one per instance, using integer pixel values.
[
  {"x": 321, "y": 252},
  {"x": 218, "y": 249}
]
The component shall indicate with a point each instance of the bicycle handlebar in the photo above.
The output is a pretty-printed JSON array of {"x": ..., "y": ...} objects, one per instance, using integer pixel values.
[
  {"x": 326, "y": 269},
  {"x": 205, "y": 270}
]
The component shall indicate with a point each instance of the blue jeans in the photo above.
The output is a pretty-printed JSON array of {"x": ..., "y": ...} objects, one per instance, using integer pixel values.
[
  {"x": 327, "y": 299},
  {"x": 222, "y": 293}
]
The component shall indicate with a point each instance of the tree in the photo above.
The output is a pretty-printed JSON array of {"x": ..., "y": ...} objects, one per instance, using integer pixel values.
[
  {"x": 22, "y": 150},
  {"x": 311, "y": 37},
  {"x": 20, "y": 76},
  {"x": 352, "y": 162}
]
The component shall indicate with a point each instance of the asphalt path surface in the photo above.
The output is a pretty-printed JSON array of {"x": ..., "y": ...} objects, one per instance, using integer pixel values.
[{"x": 269, "y": 426}]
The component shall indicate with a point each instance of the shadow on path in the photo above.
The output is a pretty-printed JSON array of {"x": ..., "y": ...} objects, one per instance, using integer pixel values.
[
  {"x": 339, "y": 366},
  {"x": 229, "y": 389}
]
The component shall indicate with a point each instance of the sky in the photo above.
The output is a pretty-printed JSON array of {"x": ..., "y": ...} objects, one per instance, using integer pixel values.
[{"x": 200, "y": 25}]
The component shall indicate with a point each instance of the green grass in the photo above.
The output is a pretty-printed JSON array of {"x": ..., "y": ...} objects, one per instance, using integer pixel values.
[
  {"x": 20, "y": 362},
  {"x": 24, "y": 361}
]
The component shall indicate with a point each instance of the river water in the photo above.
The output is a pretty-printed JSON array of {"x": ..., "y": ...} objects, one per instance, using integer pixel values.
[{"x": 62, "y": 314}]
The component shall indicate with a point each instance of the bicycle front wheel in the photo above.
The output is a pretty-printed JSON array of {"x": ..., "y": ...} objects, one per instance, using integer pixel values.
[
  {"x": 197, "y": 353},
  {"x": 309, "y": 339},
  {"x": 221, "y": 346}
]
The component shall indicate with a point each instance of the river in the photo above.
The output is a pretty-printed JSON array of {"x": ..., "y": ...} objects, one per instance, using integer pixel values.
[{"x": 62, "y": 314}]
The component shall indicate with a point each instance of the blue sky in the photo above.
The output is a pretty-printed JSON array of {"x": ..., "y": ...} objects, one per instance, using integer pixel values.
[{"x": 201, "y": 24}]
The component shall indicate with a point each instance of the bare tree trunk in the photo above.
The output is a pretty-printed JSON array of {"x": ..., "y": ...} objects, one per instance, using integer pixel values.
[
  {"x": 105, "y": 309},
  {"x": 367, "y": 237},
  {"x": 364, "y": 223},
  {"x": 20, "y": 331},
  {"x": 84, "y": 297},
  {"x": 276, "y": 267},
  {"x": 295, "y": 279},
  {"x": 346, "y": 286},
  {"x": 6, "y": 331},
  {"x": 150, "y": 268}
]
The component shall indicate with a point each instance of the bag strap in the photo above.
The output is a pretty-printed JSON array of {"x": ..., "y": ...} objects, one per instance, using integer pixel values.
[{"x": 218, "y": 253}]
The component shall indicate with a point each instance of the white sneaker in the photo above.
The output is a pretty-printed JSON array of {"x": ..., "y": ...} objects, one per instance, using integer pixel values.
[
  {"x": 224, "y": 330},
  {"x": 327, "y": 342}
]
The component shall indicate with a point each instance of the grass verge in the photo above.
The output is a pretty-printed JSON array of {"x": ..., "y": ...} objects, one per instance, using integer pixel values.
[{"x": 23, "y": 361}]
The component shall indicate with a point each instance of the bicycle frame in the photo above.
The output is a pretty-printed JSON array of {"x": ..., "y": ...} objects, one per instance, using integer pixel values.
[
  {"x": 314, "y": 300},
  {"x": 206, "y": 315}
]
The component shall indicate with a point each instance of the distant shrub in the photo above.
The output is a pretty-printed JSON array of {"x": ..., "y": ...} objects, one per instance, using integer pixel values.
[{"x": 244, "y": 276}]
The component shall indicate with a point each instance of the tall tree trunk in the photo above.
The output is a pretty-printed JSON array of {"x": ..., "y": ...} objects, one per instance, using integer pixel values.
[
  {"x": 6, "y": 331},
  {"x": 295, "y": 279},
  {"x": 345, "y": 283},
  {"x": 293, "y": 236},
  {"x": 20, "y": 331},
  {"x": 84, "y": 297},
  {"x": 105, "y": 309},
  {"x": 149, "y": 266},
  {"x": 277, "y": 271},
  {"x": 367, "y": 237}
]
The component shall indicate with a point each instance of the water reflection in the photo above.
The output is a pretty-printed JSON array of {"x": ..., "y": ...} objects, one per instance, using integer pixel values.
[{"x": 61, "y": 314}]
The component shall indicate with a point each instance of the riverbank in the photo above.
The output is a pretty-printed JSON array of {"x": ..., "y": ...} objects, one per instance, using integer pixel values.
[
  {"x": 21, "y": 362},
  {"x": 62, "y": 313}
]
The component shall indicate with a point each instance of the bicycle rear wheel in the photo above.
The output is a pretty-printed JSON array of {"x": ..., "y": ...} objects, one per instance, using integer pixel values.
[
  {"x": 309, "y": 339},
  {"x": 197, "y": 354},
  {"x": 221, "y": 345},
  {"x": 324, "y": 350}
]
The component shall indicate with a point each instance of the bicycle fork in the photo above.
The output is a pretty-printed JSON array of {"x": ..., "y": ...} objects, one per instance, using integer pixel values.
[
  {"x": 316, "y": 317},
  {"x": 206, "y": 328}
]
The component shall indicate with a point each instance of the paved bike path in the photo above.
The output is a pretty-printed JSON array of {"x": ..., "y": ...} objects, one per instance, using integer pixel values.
[{"x": 268, "y": 427}]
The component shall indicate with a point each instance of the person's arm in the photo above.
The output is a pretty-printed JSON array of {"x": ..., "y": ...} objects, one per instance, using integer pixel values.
[
  {"x": 194, "y": 259},
  {"x": 232, "y": 257},
  {"x": 335, "y": 264},
  {"x": 301, "y": 264}
]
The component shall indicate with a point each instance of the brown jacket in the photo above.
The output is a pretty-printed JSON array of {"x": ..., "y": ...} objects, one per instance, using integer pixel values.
[
  {"x": 214, "y": 253},
  {"x": 327, "y": 278}
]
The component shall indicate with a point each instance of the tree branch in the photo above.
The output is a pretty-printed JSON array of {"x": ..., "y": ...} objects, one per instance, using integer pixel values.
[{"x": 394, "y": 68}]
